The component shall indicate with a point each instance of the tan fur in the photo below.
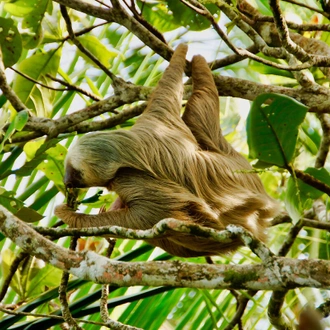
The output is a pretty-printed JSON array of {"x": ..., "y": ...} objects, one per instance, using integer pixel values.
[{"x": 172, "y": 167}]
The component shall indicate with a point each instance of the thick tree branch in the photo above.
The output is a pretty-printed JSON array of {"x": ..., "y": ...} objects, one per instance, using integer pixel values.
[
  {"x": 276, "y": 274},
  {"x": 120, "y": 16}
]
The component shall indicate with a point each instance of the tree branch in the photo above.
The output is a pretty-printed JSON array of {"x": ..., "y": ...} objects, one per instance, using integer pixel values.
[{"x": 277, "y": 273}]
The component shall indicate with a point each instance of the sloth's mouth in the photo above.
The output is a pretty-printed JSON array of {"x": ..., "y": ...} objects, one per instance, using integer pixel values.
[{"x": 117, "y": 204}]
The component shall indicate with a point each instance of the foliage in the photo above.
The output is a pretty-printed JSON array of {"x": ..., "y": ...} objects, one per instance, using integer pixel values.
[{"x": 56, "y": 85}]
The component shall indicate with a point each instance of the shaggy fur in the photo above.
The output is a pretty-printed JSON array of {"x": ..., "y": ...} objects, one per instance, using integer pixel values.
[{"x": 172, "y": 167}]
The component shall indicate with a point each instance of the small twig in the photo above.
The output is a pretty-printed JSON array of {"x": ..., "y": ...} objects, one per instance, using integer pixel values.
[
  {"x": 296, "y": 26},
  {"x": 308, "y": 7},
  {"x": 291, "y": 236},
  {"x": 309, "y": 179},
  {"x": 200, "y": 9},
  {"x": 81, "y": 47},
  {"x": 232, "y": 59},
  {"x": 325, "y": 142},
  {"x": 38, "y": 82},
  {"x": 63, "y": 294},
  {"x": 75, "y": 88},
  {"x": 13, "y": 268},
  {"x": 242, "y": 301},
  {"x": 274, "y": 310},
  {"x": 283, "y": 32},
  {"x": 143, "y": 22},
  {"x": 50, "y": 316},
  {"x": 103, "y": 4}
]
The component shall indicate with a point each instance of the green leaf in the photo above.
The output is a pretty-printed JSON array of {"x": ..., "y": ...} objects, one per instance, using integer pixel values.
[
  {"x": 51, "y": 162},
  {"x": 272, "y": 129},
  {"x": 33, "y": 22},
  {"x": 10, "y": 41},
  {"x": 187, "y": 17},
  {"x": 10, "y": 130},
  {"x": 47, "y": 276},
  {"x": 7, "y": 258},
  {"x": 35, "y": 97},
  {"x": 8, "y": 200},
  {"x": 21, "y": 119},
  {"x": 265, "y": 69},
  {"x": 20, "y": 8},
  {"x": 29, "y": 166},
  {"x": 96, "y": 47},
  {"x": 29, "y": 215},
  {"x": 92, "y": 199},
  {"x": 158, "y": 15}
]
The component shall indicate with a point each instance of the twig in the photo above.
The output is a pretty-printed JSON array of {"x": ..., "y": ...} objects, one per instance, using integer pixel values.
[
  {"x": 295, "y": 26},
  {"x": 283, "y": 32},
  {"x": 63, "y": 293},
  {"x": 38, "y": 82},
  {"x": 308, "y": 7},
  {"x": 291, "y": 236},
  {"x": 200, "y": 9},
  {"x": 75, "y": 88},
  {"x": 234, "y": 58},
  {"x": 309, "y": 179},
  {"x": 50, "y": 316},
  {"x": 274, "y": 310},
  {"x": 325, "y": 142},
  {"x": 13, "y": 268},
  {"x": 242, "y": 301},
  {"x": 82, "y": 48},
  {"x": 104, "y": 299}
]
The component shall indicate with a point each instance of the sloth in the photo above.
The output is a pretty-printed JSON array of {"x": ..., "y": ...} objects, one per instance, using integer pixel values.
[{"x": 168, "y": 166}]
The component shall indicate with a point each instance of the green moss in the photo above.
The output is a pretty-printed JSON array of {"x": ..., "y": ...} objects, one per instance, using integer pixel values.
[{"x": 237, "y": 278}]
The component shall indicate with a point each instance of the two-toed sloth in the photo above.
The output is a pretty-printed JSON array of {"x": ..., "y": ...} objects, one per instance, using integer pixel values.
[{"x": 172, "y": 167}]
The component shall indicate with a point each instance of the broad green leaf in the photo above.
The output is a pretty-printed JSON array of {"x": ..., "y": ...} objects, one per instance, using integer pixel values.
[
  {"x": 295, "y": 203},
  {"x": 310, "y": 137},
  {"x": 29, "y": 215},
  {"x": 33, "y": 22},
  {"x": 30, "y": 148},
  {"x": 52, "y": 161},
  {"x": 8, "y": 200},
  {"x": 272, "y": 129},
  {"x": 10, "y": 130},
  {"x": 35, "y": 154},
  {"x": 20, "y": 8},
  {"x": 188, "y": 18},
  {"x": 158, "y": 15},
  {"x": 265, "y": 69},
  {"x": 48, "y": 276},
  {"x": 319, "y": 173},
  {"x": 96, "y": 47},
  {"x": 37, "y": 98},
  {"x": 21, "y": 119},
  {"x": 299, "y": 195},
  {"x": 53, "y": 170},
  {"x": 10, "y": 41},
  {"x": 7, "y": 258},
  {"x": 29, "y": 166}
]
